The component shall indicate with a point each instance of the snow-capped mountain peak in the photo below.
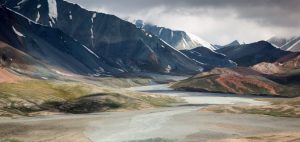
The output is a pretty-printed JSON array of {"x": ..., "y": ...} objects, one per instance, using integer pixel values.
[
  {"x": 180, "y": 40},
  {"x": 200, "y": 41}
]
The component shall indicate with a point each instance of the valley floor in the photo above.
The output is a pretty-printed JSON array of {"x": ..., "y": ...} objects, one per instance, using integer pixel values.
[{"x": 180, "y": 123}]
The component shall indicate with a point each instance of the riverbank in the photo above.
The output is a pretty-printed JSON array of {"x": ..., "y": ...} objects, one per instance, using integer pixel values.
[{"x": 179, "y": 123}]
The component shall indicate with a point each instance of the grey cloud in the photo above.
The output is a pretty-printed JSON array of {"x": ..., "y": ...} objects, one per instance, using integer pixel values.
[
  {"x": 271, "y": 12},
  {"x": 247, "y": 20}
]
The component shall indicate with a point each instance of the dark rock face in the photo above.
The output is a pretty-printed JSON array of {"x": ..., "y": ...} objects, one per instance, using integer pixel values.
[
  {"x": 118, "y": 43},
  {"x": 178, "y": 39},
  {"x": 254, "y": 53},
  {"x": 209, "y": 58},
  {"x": 49, "y": 45}
]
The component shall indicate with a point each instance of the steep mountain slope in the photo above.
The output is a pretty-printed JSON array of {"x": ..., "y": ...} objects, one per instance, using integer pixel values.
[
  {"x": 208, "y": 58},
  {"x": 289, "y": 44},
  {"x": 118, "y": 43},
  {"x": 178, "y": 39},
  {"x": 47, "y": 45},
  {"x": 281, "y": 78},
  {"x": 15, "y": 63},
  {"x": 254, "y": 53}
]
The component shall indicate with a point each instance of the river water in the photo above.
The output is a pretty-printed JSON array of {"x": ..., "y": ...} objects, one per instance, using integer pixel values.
[{"x": 166, "y": 124}]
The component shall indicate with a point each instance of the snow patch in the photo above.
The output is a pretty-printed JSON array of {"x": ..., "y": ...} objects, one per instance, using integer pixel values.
[
  {"x": 198, "y": 40},
  {"x": 93, "y": 17},
  {"x": 180, "y": 52},
  {"x": 38, "y": 6},
  {"x": 184, "y": 43},
  {"x": 61, "y": 73},
  {"x": 70, "y": 15},
  {"x": 291, "y": 47},
  {"x": 92, "y": 27},
  {"x": 17, "y": 32},
  {"x": 89, "y": 50},
  {"x": 21, "y": 2},
  {"x": 37, "y": 17},
  {"x": 168, "y": 69},
  {"x": 52, "y": 10},
  {"x": 160, "y": 30},
  {"x": 45, "y": 78}
]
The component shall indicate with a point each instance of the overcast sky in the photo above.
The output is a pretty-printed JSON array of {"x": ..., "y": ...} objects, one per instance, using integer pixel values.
[{"x": 217, "y": 21}]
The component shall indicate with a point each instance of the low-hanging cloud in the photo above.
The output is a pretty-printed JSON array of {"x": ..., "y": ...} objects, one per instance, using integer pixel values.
[{"x": 218, "y": 21}]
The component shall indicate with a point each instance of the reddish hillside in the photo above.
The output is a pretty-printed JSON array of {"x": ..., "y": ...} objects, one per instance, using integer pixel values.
[
  {"x": 281, "y": 78},
  {"x": 7, "y": 76},
  {"x": 283, "y": 65}
]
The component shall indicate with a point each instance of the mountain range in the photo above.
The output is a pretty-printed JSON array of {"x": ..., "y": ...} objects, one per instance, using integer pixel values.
[
  {"x": 289, "y": 44},
  {"x": 253, "y": 53},
  {"x": 180, "y": 40},
  {"x": 280, "y": 78},
  {"x": 233, "y": 43},
  {"x": 209, "y": 59},
  {"x": 90, "y": 43},
  {"x": 59, "y": 37},
  {"x": 118, "y": 45}
]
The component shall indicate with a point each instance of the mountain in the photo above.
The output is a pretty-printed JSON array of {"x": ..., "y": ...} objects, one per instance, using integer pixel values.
[
  {"x": 178, "y": 39},
  {"x": 233, "y": 43},
  {"x": 288, "y": 44},
  {"x": 254, "y": 53},
  {"x": 208, "y": 58},
  {"x": 285, "y": 64},
  {"x": 41, "y": 47},
  {"x": 120, "y": 46},
  {"x": 281, "y": 78}
]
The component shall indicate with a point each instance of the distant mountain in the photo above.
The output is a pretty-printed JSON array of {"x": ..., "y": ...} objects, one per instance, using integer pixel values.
[
  {"x": 208, "y": 58},
  {"x": 281, "y": 78},
  {"x": 118, "y": 44},
  {"x": 288, "y": 44},
  {"x": 233, "y": 43},
  {"x": 285, "y": 64},
  {"x": 254, "y": 53},
  {"x": 178, "y": 39}
]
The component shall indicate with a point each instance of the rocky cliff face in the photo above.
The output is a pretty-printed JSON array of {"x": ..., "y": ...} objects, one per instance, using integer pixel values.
[
  {"x": 48, "y": 45},
  {"x": 118, "y": 43}
]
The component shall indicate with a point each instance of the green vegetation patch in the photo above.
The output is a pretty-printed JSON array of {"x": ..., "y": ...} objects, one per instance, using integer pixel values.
[{"x": 31, "y": 97}]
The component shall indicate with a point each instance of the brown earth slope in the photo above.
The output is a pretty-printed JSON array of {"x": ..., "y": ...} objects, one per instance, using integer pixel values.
[{"x": 277, "y": 79}]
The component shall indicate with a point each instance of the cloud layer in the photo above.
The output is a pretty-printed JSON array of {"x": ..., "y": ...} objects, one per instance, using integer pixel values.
[{"x": 218, "y": 21}]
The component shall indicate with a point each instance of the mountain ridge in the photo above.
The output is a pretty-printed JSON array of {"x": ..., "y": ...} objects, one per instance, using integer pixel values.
[
  {"x": 119, "y": 43},
  {"x": 180, "y": 40}
]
